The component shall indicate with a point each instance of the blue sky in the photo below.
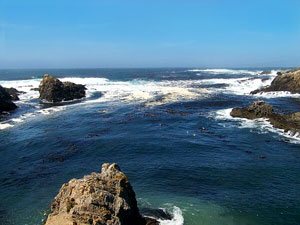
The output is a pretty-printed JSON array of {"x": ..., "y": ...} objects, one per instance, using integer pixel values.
[{"x": 149, "y": 33}]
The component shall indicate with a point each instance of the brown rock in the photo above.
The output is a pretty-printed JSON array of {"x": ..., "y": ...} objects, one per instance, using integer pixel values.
[
  {"x": 285, "y": 81},
  {"x": 105, "y": 198},
  {"x": 53, "y": 90},
  {"x": 258, "y": 109}
]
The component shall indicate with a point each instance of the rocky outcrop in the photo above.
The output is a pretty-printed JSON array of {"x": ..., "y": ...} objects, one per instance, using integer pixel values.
[
  {"x": 14, "y": 93},
  {"x": 105, "y": 198},
  {"x": 53, "y": 90},
  {"x": 260, "y": 109},
  {"x": 285, "y": 81},
  {"x": 6, "y": 103}
]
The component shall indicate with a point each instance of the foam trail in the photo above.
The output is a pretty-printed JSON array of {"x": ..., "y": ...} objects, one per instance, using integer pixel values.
[
  {"x": 262, "y": 124},
  {"x": 225, "y": 71},
  {"x": 176, "y": 220}
]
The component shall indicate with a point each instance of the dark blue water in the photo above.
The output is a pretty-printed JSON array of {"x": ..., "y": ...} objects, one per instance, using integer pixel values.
[{"x": 171, "y": 133}]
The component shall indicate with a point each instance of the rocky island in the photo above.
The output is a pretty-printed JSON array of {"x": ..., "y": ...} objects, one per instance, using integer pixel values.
[
  {"x": 53, "y": 90},
  {"x": 6, "y": 104},
  {"x": 284, "y": 81},
  {"x": 105, "y": 198},
  {"x": 260, "y": 109}
]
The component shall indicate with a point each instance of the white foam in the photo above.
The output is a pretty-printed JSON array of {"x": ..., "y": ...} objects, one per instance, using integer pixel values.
[
  {"x": 225, "y": 71},
  {"x": 177, "y": 218},
  {"x": 262, "y": 125},
  {"x": 140, "y": 91},
  {"x": 5, "y": 126},
  {"x": 242, "y": 86}
]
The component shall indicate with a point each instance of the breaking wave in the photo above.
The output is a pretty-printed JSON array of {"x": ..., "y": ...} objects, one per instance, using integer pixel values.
[
  {"x": 225, "y": 71},
  {"x": 262, "y": 125}
]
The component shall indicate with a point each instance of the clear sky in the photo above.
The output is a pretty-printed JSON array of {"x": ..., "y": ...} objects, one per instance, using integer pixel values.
[{"x": 149, "y": 33}]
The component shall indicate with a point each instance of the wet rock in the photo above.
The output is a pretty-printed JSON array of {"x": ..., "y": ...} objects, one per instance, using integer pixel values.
[
  {"x": 34, "y": 89},
  {"x": 6, "y": 104},
  {"x": 14, "y": 93},
  {"x": 284, "y": 81},
  {"x": 53, "y": 90},
  {"x": 266, "y": 72},
  {"x": 156, "y": 213},
  {"x": 105, "y": 198},
  {"x": 260, "y": 109}
]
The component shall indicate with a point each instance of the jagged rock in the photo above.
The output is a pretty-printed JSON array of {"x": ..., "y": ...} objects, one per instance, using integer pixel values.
[
  {"x": 53, "y": 90},
  {"x": 260, "y": 109},
  {"x": 34, "y": 89},
  {"x": 14, "y": 93},
  {"x": 105, "y": 198},
  {"x": 6, "y": 103},
  {"x": 284, "y": 81}
]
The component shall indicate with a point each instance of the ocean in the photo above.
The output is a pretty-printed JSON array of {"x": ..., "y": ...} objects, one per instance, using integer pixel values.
[{"x": 170, "y": 131}]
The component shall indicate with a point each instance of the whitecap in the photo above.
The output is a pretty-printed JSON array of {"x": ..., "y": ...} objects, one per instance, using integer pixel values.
[
  {"x": 225, "y": 71},
  {"x": 177, "y": 218},
  {"x": 262, "y": 125}
]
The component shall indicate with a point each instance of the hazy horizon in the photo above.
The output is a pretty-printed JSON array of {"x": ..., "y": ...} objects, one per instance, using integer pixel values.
[{"x": 157, "y": 34}]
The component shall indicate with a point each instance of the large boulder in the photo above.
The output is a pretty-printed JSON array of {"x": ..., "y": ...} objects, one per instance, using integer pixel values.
[
  {"x": 285, "y": 81},
  {"x": 53, "y": 90},
  {"x": 105, "y": 198},
  {"x": 258, "y": 109},
  {"x": 6, "y": 103}
]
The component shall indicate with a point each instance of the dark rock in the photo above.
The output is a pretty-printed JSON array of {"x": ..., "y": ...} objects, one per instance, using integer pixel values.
[
  {"x": 53, "y": 90},
  {"x": 34, "y": 89},
  {"x": 14, "y": 93},
  {"x": 105, "y": 198},
  {"x": 156, "y": 213},
  {"x": 6, "y": 104},
  {"x": 284, "y": 81},
  {"x": 260, "y": 109},
  {"x": 266, "y": 72}
]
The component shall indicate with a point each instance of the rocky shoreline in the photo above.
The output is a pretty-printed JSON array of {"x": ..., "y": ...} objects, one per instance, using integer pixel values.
[
  {"x": 260, "y": 109},
  {"x": 105, "y": 198},
  {"x": 6, "y": 101},
  {"x": 288, "y": 80}
]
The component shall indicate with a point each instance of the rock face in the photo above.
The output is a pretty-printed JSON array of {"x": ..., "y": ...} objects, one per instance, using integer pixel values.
[
  {"x": 260, "y": 109},
  {"x": 14, "y": 93},
  {"x": 6, "y": 103},
  {"x": 53, "y": 90},
  {"x": 285, "y": 81},
  {"x": 105, "y": 198}
]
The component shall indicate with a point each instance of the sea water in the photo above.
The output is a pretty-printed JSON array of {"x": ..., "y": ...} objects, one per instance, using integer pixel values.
[{"x": 171, "y": 132}]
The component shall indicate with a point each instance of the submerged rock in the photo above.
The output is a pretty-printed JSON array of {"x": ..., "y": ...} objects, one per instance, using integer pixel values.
[
  {"x": 53, "y": 90},
  {"x": 105, "y": 198},
  {"x": 6, "y": 103},
  {"x": 284, "y": 81},
  {"x": 260, "y": 109},
  {"x": 14, "y": 93}
]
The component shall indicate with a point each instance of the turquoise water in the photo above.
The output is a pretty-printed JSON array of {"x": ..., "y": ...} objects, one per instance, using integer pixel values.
[{"x": 171, "y": 133}]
